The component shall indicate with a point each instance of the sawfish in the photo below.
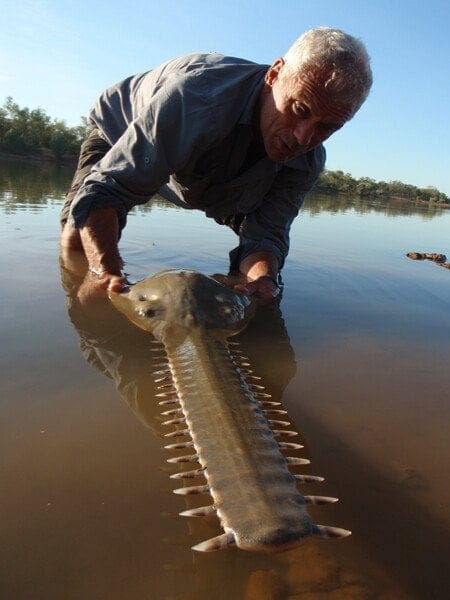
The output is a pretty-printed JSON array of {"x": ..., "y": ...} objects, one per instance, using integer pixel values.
[{"x": 235, "y": 431}]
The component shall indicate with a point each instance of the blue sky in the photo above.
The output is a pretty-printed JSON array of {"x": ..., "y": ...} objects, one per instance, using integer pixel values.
[{"x": 60, "y": 54}]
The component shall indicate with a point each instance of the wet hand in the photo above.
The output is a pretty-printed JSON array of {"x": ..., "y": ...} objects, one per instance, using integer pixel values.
[
  {"x": 97, "y": 285},
  {"x": 265, "y": 289}
]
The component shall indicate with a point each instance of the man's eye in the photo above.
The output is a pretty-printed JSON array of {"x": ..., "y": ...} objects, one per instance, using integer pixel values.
[{"x": 300, "y": 110}]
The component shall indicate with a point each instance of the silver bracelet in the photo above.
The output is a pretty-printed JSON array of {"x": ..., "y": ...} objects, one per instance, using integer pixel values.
[{"x": 97, "y": 272}]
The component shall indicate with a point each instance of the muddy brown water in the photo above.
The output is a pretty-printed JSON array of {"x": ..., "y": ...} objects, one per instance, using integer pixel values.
[{"x": 358, "y": 354}]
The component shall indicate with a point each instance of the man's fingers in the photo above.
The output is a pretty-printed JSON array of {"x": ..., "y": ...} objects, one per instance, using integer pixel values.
[
  {"x": 243, "y": 289},
  {"x": 264, "y": 291},
  {"x": 116, "y": 284}
]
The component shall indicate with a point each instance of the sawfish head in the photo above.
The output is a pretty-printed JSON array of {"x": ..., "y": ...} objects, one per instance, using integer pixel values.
[{"x": 173, "y": 303}]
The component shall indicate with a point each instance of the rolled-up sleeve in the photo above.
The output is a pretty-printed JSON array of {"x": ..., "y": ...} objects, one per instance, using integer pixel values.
[
  {"x": 174, "y": 126},
  {"x": 267, "y": 228}
]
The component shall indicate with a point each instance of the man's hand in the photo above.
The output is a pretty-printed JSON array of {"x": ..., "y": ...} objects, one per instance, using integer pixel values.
[
  {"x": 97, "y": 286},
  {"x": 98, "y": 239},
  {"x": 265, "y": 289},
  {"x": 260, "y": 269}
]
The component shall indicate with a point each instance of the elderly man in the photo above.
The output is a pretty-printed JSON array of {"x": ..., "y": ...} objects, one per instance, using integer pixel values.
[{"x": 238, "y": 140}]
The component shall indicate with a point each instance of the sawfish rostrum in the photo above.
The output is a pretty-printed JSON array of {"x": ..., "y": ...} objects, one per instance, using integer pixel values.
[{"x": 223, "y": 414}]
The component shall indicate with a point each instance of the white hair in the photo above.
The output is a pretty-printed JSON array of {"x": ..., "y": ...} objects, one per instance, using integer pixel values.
[{"x": 340, "y": 57}]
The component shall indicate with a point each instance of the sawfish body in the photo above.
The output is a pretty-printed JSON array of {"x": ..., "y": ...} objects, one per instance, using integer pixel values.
[{"x": 227, "y": 415}]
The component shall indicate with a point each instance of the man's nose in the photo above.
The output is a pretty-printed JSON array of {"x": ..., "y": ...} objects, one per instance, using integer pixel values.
[{"x": 304, "y": 132}]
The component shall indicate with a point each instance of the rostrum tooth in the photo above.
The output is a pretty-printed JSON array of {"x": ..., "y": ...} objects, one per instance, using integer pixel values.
[
  {"x": 165, "y": 394},
  {"x": 188, "y": 474},
  {"x": 263, "y": 395},
  {"x": 269, "y": 403},
  {"x": 195, "y": 489},
  {"x": 217, "y": 543},
  {"x": 280, "y": 432},
  {"x": 161, "y": 372},
  {"x": 280, "y": 423},
  {"x": 309, "y": 478},
  {"x": 172, "y": 411},
  {"x": 294, "y": 460},
  {"x": 202, "y": 511},
  {"x": 320, "y": 499},
  {"x": 175, "y": 421},
  {"x": 330, "y": 532},
  {"x": 179, "y": 446},
  {"x": 183, "y": 459},
  {"x": 275, "y": 411},
  {"x": 172, "y": 401},
  {"x": 177, "y": 433},
  {"x": 290, "y": 445}
]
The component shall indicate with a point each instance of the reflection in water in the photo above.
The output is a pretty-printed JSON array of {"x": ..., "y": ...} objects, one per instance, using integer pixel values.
[
  {"x": 41, "y": 184},
  {"x": 113, "y": 347},
  {"x": 32, "y": 183},
  {"x": 335, "y": 204}
]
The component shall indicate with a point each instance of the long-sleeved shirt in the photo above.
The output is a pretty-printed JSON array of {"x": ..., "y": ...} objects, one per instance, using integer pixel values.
[{"x": 186, "y": 130}]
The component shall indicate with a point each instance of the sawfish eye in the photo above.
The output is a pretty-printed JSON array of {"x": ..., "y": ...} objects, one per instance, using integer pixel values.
[{"x": 149, "y": 312}]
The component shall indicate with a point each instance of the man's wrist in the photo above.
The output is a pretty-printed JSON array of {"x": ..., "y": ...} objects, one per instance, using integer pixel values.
[
  {"x": 97, "y": 272},
  {"x": 274, "y": 280},
  {"x": 101, "y": 271}
]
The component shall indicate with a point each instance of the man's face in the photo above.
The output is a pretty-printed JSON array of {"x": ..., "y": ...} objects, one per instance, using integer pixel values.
[{"x": 296, "y": 115}]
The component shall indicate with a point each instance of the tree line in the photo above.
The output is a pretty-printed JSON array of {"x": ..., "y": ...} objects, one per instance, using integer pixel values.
[
  {"x": 28, "y": 132},
  {"x": 33, "y": 133},
  {"x": 338, "y": 182}
]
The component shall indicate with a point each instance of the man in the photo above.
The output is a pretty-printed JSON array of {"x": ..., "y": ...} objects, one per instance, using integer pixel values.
[{"x": 238, "y": 140}]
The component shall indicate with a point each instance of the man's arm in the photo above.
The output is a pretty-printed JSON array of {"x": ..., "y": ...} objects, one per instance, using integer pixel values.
[
  {"x": 264, "y": 233},
  {"x": 98, "y": 239}
]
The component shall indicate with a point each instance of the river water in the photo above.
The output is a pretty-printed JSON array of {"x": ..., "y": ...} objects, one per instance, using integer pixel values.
[{"x": 358, "y": 354}]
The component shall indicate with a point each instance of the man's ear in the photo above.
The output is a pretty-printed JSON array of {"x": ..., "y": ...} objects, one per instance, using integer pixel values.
[{"x": 274, "y": 71}]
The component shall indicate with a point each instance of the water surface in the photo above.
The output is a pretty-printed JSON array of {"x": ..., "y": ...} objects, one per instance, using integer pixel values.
[{"x": 358, "y": 354}]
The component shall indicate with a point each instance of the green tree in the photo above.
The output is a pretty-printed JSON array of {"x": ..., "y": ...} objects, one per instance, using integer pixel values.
[{"x": 25, "y": 131}]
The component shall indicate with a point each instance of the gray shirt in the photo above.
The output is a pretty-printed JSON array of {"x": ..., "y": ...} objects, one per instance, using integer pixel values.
[{"x": 185, "y": 130}]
